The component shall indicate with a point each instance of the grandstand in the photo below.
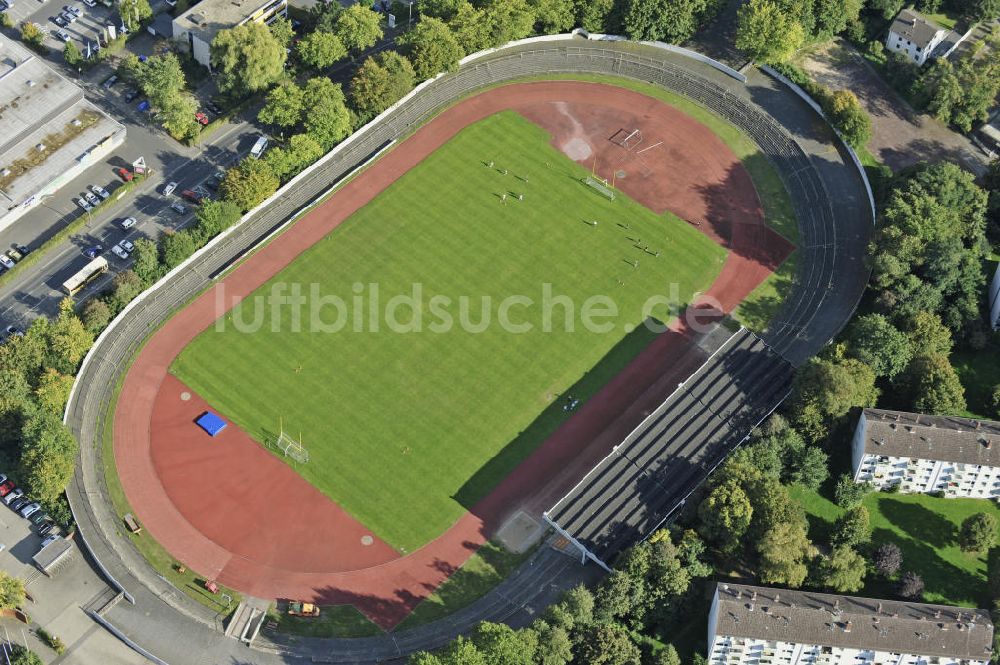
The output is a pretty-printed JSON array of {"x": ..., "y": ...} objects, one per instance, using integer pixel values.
[{"x": 632, "y": 491}]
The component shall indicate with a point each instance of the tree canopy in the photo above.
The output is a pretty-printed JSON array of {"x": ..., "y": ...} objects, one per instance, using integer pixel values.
[
  {"x": 247, "y": 58},
  {"x": 432, "y": 48},
  {"x": 767, "y": 33}
]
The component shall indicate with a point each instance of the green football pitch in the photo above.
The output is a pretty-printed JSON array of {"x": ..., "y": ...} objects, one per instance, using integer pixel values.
[{"x": 405, "y": 430}]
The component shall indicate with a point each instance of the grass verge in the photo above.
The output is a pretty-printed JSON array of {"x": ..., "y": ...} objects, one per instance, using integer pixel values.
[{"x": 333, "y": 621}]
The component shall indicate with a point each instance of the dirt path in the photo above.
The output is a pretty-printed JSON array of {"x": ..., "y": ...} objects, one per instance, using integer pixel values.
[{"x": 230, "y": 510}]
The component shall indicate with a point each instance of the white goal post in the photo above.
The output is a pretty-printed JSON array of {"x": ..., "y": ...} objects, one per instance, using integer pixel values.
[{"x": 289, "y": 447}]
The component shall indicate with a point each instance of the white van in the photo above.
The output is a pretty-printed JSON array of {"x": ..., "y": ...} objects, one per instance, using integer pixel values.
[{"x": 259, "y": 147}]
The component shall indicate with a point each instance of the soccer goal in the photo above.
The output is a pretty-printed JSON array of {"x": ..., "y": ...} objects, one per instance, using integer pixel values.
[
  {"x": 289, "y": 447},
  {"x": 628, "y": 139},
  {"x": 600, "y": 186}
]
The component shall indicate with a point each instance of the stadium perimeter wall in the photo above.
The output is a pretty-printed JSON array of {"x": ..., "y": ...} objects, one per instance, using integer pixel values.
[{"x": 119, "y": 560}]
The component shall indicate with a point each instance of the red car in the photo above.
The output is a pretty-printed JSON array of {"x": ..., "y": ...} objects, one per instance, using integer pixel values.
[
  {"x": 6, "y": 488},
  {"x": 193, "y": 197},
  {"x": 125, "y": 174},
  {"x": 201, "y": 118}
]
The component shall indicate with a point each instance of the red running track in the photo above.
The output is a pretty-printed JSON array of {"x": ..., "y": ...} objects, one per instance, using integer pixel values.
[{"x": 233, "y": 512}]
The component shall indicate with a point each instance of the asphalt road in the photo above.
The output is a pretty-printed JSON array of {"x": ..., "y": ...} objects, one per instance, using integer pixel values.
[{"x": 36, "y": 289}]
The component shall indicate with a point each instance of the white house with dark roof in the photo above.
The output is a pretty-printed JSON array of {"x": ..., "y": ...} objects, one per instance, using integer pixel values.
[
  {"x": 915, "y": 36},
  {"x": 959, "y": 457},
  {"x": 750, "y": 625}
]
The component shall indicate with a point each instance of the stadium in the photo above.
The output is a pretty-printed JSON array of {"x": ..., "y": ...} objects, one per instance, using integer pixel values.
[{"x": 364, "y": 466}]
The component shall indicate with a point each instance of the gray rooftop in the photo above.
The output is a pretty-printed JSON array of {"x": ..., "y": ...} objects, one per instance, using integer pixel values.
[
  {"x": 913, "y": 26},
  {"x": 38, "y": 107},
  {"x": 945, "y": 438},
  {"x": 804, "y": 617},
  {"x": 208, "y": 17}
]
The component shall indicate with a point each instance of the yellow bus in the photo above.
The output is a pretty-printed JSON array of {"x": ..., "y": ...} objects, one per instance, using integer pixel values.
[{"x": 85, "y": 276}]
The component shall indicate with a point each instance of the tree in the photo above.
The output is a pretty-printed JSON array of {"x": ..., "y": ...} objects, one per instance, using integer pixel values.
[
  {"x": 887, "y": 559},
  {"x": 848, "y": 493},
  {"x": 507, "y": 20},
  {"x": 176, "y": 247},
  {"x": 853, "y": 528},
  {"x": 126, "y": 286},
  {"x": 783, "y": 553},
  {"x": 978, "y": 533},
  {"x": 554, "y": 644},
  {"x": 933, "y": 386},
  {"x": 319, "y": 50},
  {"x": 873, "y": 340},
  {"x": 607, "y": 644},
  {"x": 214, "y": 217},
  {"x": 247, "y": 58},
  {"x": 31, "y": 34},
  {"x": 673, "y": 21},
  {"x": 725, "y": 515},
  {"x": 176, "y": 114},
  {"x": 766, "y": 33},
  {"x": 851, "y": 120},
  {"x": 927, "y": 332},
  {"x": 553, "y": 16},
  {"x": 833, "y": 16},
  {"x": 500, "y": 643},
  {"x": 442, "y": 9},
  {"x": 825, "y": 390},
  {"x": 809, "y": 468},
  {"x": 22, "y": 656},
  {"x": 53, "y": 391},
  {"x": 431, "y": 47},
  {"x": 146, "y": 265},
  {"x": 160, "y": 77},
  {"x": 134, "y": 13},
  {"x": 249, "y": 184},
  {"x": 72, "y": 55},
  {"x": 995, "y": 400},
  {"x": 911, "y": 586},
  {"x": 68, "y": 339},
  {"x": 358, "y": 28},
  {"x": 327, "y": 119},
  {"x": 282, "y": 30},
  {"x": 843, "y": 571},
  {"x": 668, "y": 656},
  {"x": 284, "y": 105},
  {"x": 575, "y": 610},
  {"x": 591, "y": 15},
  {"x": 469, "y": 29},
  {"x": 380, "y": 81},
  {"x": 48, "y": 456},
  {"x": 96, "y": 315},
  {"x": 983, "y": 10},
  {"x": 11, "y": 591}
]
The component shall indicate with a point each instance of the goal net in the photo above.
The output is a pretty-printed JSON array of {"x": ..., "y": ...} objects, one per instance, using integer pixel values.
[
  {"x": 289, "y": 447},
  {"x": 600, "y": 186},
  {"x": 627, "y": 138}
]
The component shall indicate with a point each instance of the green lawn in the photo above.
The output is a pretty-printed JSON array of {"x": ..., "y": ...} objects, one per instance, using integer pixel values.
[
  {"x": 333, "y": 621},
  {"x": 408, "y": 430},
  {"x": 980, "y": 373},
  {"x": 925, "y": 529}
]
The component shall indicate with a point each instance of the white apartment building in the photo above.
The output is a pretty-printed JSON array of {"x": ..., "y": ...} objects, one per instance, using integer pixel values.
[
  {"x": 199, "y": 25},
  {"x": 915, "y": 36},
  {"x": 750, "y": 625},
  {"x": 924, "y": 454},
  {"x": 994, "y": 302}
]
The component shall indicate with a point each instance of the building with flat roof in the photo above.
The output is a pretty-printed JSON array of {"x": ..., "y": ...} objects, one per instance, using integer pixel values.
[
  {"x": 49, "y": 133},
  {"x": 754, "y": 625},
  {"x": 958, "y": 457},
  {"x": 914, "y": 35},
  {"x": 198, "y": 26}
]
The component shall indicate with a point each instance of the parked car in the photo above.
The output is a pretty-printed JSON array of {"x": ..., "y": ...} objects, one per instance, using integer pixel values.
[
  {"x": 127, "y": 245},
  {"x": 14, "y": 331},
  {"x": 91, "y": 198},
  {"x": 39, "y": 517},
  {"x": 90, "y": 3},
  {"x": 128, "y": 223},
  {"x": 13, "y": 495},
  {"x": 46, "y": 528},
  {"x": 19, "y": 502},
  {"x": 201, "y": 118},
  {"x": 119, "y": 252},
  {"x": 6, "y": 488},
  {"x": 21, "y": 248},
  {"x": 83, "y": 204},
  {"x": 169, "y": 188},
  {"x": 3, "y": 479},
  {"x": 178, "y": 207},
  {"x": 5, "y": 260},
  {"x": 143, "y": 105},
  {"x": 194, "y": 197},
  {"x": 69, "y": 17},
  {"x": 215, "y": 181},
  {"x": 214, "y": 108},
  {"x": 125, "y": 174},
  {"x": 49, "y": 540},
  {"x": 130, "y": 94},
  {"x": 111, "y": 80},
  {"x": 60, "y": 21},
  {"x": 15, "y": 254},
  {"x": 92, "y": 252},
  {"x": 30, "y": 509},
  {"x": 63, "y": 35},
  {"x": 100, "y": 191}
]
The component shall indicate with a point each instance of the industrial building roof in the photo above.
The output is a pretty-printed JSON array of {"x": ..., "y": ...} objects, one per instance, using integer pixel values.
[
  {"x": 804, "y": 617},
  {"x": 946, "y": 438}
]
